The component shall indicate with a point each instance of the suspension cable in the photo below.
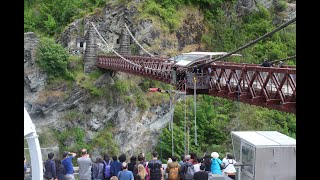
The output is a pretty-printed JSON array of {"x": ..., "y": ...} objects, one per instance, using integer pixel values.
[
  {"x": 128, "y": 61},
  {"x": 252, "y": 42},
  {"x": 284, "y": 59},
  {"x": 195, "y": 110},
  {"x": 185, "y": 119},
  {"x": 136, "y": 40},
  {"x": 172, "y": 113},
  {"x": 113, "y": 49}
]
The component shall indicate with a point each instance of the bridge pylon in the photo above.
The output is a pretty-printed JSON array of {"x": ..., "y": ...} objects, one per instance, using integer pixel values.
[
  {"x": 125, "y": 43},
  {"x": 90, "y": 56}
]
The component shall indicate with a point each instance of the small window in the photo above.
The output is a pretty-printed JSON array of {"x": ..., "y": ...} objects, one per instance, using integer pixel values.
[
  {"x": 118, "y": 41},
  {"x": 81, "y": 44}
]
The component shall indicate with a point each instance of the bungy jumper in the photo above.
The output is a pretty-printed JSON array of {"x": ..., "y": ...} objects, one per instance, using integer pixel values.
[{"x": 34, "y": 147}]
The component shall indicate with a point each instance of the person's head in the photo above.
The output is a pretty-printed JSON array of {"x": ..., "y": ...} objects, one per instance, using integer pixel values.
[
  {"x": 174, "y": 158},
  {"x": 124, "y": 165},
  {"x": 199, "y": 160},
  {"x": 154, "y": 154},
  {"x": 133, "y": 159},
  {"x": 114, "y": 158},
  {"x": 214, "y": 155},
  {"x": 187, "y": 157},
  {"x": 50, "y": 155},
  {"x": 98, "y": 160},
  {"x": 230, "y": 156},
  {"x": 106, "y": 157},
  {"x": 65, "y": 154},
  {"x": 140, "y": 157},
  {"x": 182, "y": 157},
  {"x": 122, "y": 158},
  {"x": 193, "y": 156},
  {"x": 57, "y": 161},
  {"x": 202, "y": 167},
  {"x": 114, "y": 178},
  {"x": 83, "y": 151}
]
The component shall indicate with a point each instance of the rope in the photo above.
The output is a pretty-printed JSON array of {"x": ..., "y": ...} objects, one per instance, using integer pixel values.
[
  {"x": 172, "y": 143},
  {"x": 195, "y": 110},
  {"x": 113, "y": 49},
  {"x": 252, "y": 42},
  {"x": 170, "y": 108},
  {"x": 136, "y": 40},
  {"x": 284, "y": 59},
  {"x": 185, "y": 119}
]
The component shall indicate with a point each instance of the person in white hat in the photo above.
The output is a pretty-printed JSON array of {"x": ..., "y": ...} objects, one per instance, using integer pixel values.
[{"x": 215, "y": 163}]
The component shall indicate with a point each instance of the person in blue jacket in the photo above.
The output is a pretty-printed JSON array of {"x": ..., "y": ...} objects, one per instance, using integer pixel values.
[{"x": 215, "y": 163}]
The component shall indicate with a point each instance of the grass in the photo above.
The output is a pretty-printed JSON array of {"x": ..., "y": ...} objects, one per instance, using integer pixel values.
[{"x": 87, "y": 81}]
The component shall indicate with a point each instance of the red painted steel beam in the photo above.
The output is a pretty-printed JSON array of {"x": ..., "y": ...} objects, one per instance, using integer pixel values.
[{"x": 270, "y": 87}]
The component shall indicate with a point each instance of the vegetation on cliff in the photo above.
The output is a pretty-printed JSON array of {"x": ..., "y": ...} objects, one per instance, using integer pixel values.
[{"x": 224, "y": 31}]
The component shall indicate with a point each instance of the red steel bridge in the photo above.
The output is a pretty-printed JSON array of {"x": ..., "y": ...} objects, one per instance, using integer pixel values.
[{"x": 270, "y": 87}]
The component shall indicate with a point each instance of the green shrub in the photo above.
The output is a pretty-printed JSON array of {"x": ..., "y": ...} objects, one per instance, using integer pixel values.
[{"x": 52, "y": 58}]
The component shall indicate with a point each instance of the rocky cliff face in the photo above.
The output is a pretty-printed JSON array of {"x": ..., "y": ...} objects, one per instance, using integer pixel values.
[{"x": 134, "y": 130}]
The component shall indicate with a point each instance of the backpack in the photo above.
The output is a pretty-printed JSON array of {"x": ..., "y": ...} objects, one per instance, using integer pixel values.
[
  {"x": 106, "y": 171},
  {"x": 48, "y": 169},
  {"x": 190, "y": 172},
  {"x": 173, "y": 173}
]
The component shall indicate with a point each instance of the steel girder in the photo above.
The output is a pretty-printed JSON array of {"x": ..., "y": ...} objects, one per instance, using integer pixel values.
[{"x": 270, "y": 87}]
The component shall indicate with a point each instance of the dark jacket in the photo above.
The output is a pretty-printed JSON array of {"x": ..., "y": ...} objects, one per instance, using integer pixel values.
[
  {"x": 60, "y": 172},
  {"x": 97, "y": 170},
  {"x": 116, "y": 166},
  {"x": 50, "y": 169}
]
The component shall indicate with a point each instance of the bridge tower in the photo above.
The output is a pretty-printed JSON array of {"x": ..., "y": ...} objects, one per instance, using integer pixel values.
[
  {"x": 90, "y": 56},
  {"x": 125, "y": 43}
]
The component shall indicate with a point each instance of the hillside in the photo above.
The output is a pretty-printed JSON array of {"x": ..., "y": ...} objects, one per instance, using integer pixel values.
[{"x": 113, "y": 112}]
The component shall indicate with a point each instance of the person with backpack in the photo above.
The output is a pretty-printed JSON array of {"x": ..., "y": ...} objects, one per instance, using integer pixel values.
[
  {"x": 229, "y": 169},
  {"x": 60, "y": 171},
  {"x": 155, "y": 168},
  {"x": 202, "y": 174},
  {"x": 173, "y": 169},
  {"x": 216, "y": 164},
  {"x": 50, "y": 168},
  {"x": 107, "y": 167},
  {"x": 187, "y": 169}
]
